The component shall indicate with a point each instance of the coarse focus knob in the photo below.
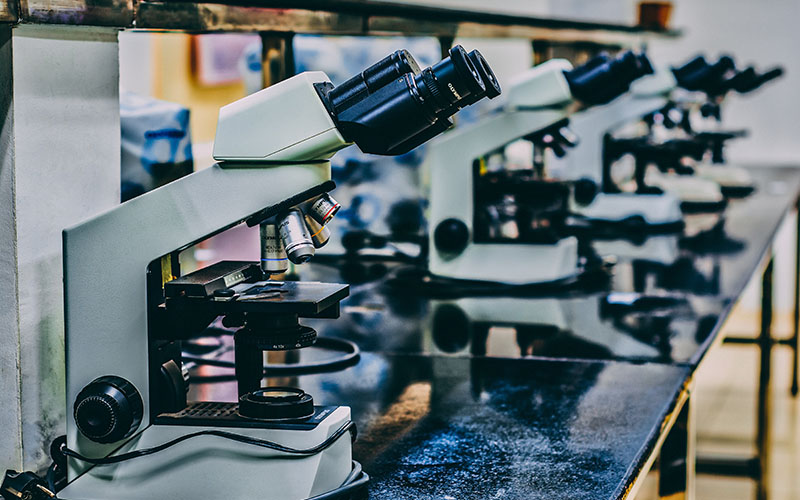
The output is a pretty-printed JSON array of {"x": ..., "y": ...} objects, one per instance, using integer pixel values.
[
  {"x": 451, "y": 236},
  {"x": 108, "y": 410}
]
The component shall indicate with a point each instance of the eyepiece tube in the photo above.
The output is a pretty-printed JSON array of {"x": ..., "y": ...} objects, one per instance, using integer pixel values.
[
  {"x": 370, "y": 80},
  {"x": 455, "y": 77},
  {"x": 295, "y": 237},
  {"x": 603, "y": 79},
  {"x": 273, "y": 255},
  {"x": 388, "y": 116}
]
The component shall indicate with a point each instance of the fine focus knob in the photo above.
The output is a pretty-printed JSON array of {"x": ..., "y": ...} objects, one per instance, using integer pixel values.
[{"x": 108, "y": 410}]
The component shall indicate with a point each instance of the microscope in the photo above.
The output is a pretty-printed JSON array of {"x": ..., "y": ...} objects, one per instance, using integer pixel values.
[
  {"x": 492, "y": 221},
  {"x": 131, "y": 433},
  {"x": 696, "y": 114},
  {"x": 663, "y": 107},
  {"x": 607, "y": 207}
]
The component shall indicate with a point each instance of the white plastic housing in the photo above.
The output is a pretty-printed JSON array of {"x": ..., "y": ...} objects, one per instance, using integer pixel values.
[
  {"x": 687, "y": 188},
  {"x": 541, "y": 86},
  {"x": 654, "y": 209},
  {"x": 449, "y": 163},
  {"x": 660, "y": 83},
  {"x": 284, "y": 122}
]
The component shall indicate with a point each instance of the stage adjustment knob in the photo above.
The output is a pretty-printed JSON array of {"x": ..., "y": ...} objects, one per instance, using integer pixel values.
[{"x": 108, "y": 410}]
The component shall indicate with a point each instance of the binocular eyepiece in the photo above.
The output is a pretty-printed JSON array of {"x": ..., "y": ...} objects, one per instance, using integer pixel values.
[
  {"x": 699, "y": 74},
  {"x": 392, "y": 107},
  {"x": 721, "y": 77},
  {"x": 603, "y": 78}
]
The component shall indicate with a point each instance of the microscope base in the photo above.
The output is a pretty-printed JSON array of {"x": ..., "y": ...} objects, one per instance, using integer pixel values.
[
  {"x": 211, "y": 468},
  {"x": 512, "y": 263},
  {"x": 697, "y": 195},
  {"x": 649, "y": 210},
  {"x": 734, "y": 182}
]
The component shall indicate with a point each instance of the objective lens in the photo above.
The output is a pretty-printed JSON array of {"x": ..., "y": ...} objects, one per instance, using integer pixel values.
[
  {"x": 295, "y": 237},
  {"x": 319, "y": 234},
  {"x": 323, "y": 209},
  {"x": 273, "y": 255}
]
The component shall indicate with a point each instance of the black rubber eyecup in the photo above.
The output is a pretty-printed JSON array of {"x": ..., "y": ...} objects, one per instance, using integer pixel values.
[
  {"x": 469, "y": 73},
  {"x": 487, "y": 75}
]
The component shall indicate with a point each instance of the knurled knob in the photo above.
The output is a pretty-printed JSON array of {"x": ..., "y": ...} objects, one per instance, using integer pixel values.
[{"x": 108, "y": 410}]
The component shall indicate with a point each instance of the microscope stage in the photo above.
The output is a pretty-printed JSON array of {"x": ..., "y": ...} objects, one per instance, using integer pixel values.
[{"x": 237, "y": 287}]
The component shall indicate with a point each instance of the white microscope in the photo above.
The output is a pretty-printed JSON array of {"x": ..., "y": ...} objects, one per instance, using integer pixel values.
[
  {"x": 675, "y": 105},
  {"x": 131, "y": 434},
  {"x": 696, "y": 111},
  {"x": 473, "y": 188}
]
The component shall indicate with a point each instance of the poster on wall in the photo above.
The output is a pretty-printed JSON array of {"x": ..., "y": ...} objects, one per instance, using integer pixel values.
[{"x": 217, "y": 57}]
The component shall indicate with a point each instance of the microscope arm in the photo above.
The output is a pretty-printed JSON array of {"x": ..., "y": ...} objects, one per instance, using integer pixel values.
[{"x": 106, "y": 259}]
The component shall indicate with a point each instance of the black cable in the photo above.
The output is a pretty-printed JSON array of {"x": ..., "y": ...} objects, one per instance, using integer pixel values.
[
  {"x": 51, "y": 477},
  {"x": 357, "y": 479},
  {"x": 348, "y": 426},
  {"x": 352, "y": 356}
]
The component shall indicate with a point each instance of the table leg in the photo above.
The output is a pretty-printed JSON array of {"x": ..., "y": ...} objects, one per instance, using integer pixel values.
[
  {"x": 794, "y": 343},
  {"x": 765, "y": 343},
  {"x": 756, "y": 467},
  {"x": 677, "y": 458}
]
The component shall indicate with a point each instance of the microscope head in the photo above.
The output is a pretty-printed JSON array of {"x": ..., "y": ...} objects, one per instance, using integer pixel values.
[
  {"x": 719, "y": 78},
  {"x": 699, "y": 75},
  {"x": 602, "y": 79},
  {"x": 389, "y": 109},
  {"x": 393, "y": 107},
  {"x": 598, "y": 81}
]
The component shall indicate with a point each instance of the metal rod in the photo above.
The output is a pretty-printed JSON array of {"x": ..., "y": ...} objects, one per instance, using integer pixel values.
[
  {"x": 727, "y": 466},
  {"x": 277, "y": 57},
  {"x": 765, "y": 367},
  {"x": 676, "y": 459},
  {"x": 795, "y": 343}
]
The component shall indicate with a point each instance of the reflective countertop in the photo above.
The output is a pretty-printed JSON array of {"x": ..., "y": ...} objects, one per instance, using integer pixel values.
[
  {"x": 666, "y": 298},
  {"x": 432, "y": 427},
  {"x": 559, "y": 396}
]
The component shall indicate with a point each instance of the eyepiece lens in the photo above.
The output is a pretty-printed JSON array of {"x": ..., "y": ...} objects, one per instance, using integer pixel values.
[
  {"x": 455, "y": 77},
  {"x": 487, "y": 75}
]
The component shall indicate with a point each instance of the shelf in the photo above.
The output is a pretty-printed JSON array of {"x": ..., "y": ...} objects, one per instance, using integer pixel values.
[{"x": 337, "y": 17}]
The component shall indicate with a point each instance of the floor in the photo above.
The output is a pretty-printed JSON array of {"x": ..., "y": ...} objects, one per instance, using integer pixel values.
[{"x": 725, "y": 420}]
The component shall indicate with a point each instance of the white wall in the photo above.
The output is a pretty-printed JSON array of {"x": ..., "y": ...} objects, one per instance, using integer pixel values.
[
  {"x": 764, "y": 33},
  {"x": 136, "y": 62},
  {"x": 60, "y": 165}
]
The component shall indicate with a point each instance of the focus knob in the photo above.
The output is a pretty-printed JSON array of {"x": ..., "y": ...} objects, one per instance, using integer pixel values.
[
  {"x": 451, "y": 236},
  {"x": 108, "y": 410}
]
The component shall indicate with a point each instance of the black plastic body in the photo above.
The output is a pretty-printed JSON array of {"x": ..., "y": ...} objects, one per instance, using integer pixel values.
[
  {"x": 603, "y": 79},
  {"x": 393, "y": 106},
  {"x": 24, "y": 486},
  {"x": 108, "y": 410}
]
